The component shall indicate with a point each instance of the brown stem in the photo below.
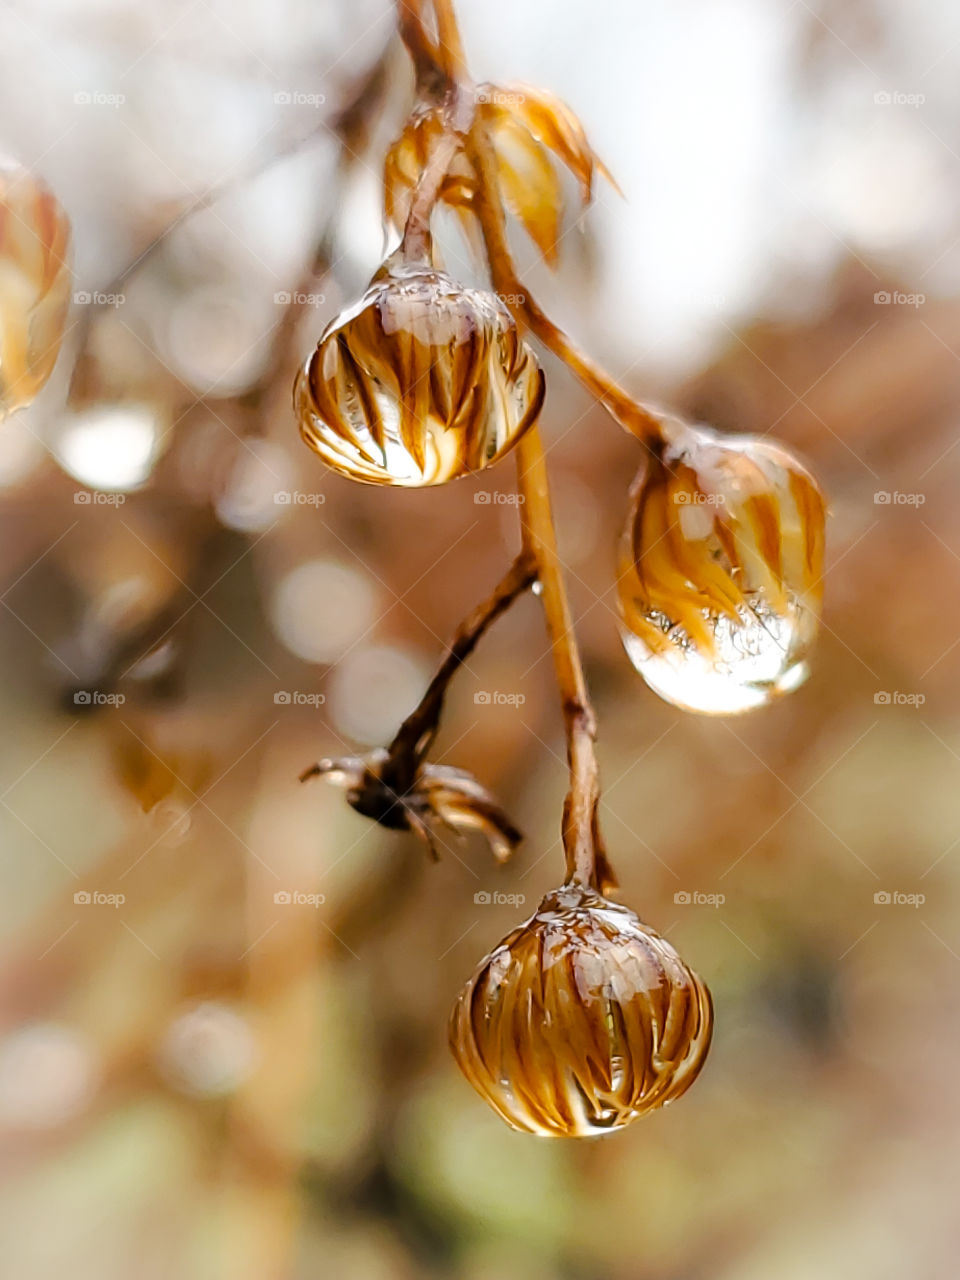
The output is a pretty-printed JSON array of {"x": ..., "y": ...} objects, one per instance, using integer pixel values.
[
  {"x": 585, "y": 856},
  {"x": 618, "y": 403},
  {"x": 417, "y": 732},
  {"x": 582, "y": 843},
  {"x": 450, "y": 45}
]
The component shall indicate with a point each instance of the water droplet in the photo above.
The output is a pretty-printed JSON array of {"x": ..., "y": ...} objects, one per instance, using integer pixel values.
[{"x": 756, "y": 658}]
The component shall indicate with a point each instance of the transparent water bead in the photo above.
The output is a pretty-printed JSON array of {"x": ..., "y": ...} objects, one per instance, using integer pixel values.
[
  {"x": 758, "y": 656},
  {"x": 419, "y": 383},
  {"x": 721, "y": 571},
  {"x": 582, "y": 1020}
]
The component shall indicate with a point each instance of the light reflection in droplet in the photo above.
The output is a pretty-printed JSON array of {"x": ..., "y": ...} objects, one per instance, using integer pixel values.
[{"x": 321, "y": 608}]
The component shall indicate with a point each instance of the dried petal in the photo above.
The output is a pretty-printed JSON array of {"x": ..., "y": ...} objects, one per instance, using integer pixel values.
[
  {"x": 721, "y": 577},
  {"x": 581, "y": 1020},
  {"x": 423, "y": 381},
  {"x": 436, "y": 797},
  {"x": 34, "y": 284}
]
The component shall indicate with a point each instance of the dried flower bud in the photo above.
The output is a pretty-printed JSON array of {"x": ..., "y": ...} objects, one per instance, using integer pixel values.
[
  {"x": 421, "y": 382},
  {"x": 581, "y": 1020},
  {"x": 530, "y": 131},
  {"x": 435, "y": 798},
  {"x": 721, "y": 570},
  {"x": 34, "y": 284}
]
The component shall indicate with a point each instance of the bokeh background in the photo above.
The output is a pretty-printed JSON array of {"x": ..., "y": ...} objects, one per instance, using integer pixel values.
[{"x": 200, "y": 1078}]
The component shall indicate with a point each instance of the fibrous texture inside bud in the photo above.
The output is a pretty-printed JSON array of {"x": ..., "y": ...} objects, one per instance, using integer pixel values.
[
  {"x": 581, "y": 1020},
  {"x": 421, "y": 382},
  {"x": 721, "y": 571},
  {"x": 34, "y": 284}
]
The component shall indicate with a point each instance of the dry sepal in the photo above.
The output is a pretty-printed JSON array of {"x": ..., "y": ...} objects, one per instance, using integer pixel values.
[
  {"x": 422, "y": 381},
  {"x": 434, "y": 800},
  {"x": 721, "y": 571},
  {"x": 34, "y": 284},
  {"x": 582, "y": 1020},
  {"x": 529, "y": 131}
]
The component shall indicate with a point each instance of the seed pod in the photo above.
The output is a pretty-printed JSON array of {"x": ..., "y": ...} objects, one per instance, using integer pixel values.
[
  {"x": 34, "y": 284},
  {"x": 421, "y": 382},
  {"x": 721, "y": 570},
  {"x": 581, "y": 1020}
]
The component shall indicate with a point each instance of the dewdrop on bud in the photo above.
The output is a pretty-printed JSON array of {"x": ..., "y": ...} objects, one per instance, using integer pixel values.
[
  {"x": 419, "y": 383},
  {"x": 34, "y": 284},
  {"x": 581, "y": 1020},
  {"x": 721, "y": 570}
]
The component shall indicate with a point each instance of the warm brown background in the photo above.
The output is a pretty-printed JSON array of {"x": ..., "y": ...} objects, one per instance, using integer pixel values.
[{"x": 202, "y": 1082}]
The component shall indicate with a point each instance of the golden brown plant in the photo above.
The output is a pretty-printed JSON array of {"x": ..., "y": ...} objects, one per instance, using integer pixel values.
[
  {"x": 721, "y": 570},
  {"x": 35, "y": 277},
  {"x": 581, "y": 1020}
]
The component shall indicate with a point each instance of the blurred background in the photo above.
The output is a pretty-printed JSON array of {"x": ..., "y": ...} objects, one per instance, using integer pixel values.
[{"x": 224, "y": 995}]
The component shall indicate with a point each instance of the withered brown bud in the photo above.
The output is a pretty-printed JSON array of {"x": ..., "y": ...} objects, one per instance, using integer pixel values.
[
  {"x": 423, "y": 381},
  {"x": 581, "y": 1020},
  {"x": 721, "y": 571},
  {"x": 34, "y": 284}
]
